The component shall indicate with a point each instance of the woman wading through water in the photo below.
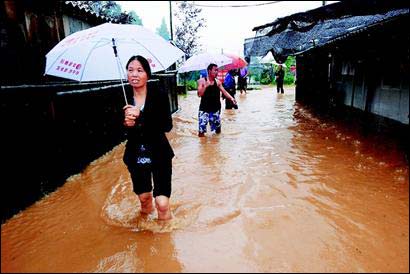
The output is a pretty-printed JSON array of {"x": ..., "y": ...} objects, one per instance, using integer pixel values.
[{"x": 148, "y": 154}]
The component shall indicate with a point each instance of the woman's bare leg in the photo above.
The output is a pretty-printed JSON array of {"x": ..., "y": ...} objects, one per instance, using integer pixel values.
[
  {"x": 146, "y": 202},
  {"x": 162, "y": 205}
]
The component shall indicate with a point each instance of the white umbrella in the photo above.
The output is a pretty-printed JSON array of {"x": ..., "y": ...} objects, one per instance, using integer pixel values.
[
  {"x": 101, "y": 52},
  {"x": 201, "y": 61}
]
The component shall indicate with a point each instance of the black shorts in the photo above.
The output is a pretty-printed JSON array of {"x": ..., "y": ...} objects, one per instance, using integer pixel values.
[
  {"x": 159, "y": 173},
  {"x": 242, "y": 83}
]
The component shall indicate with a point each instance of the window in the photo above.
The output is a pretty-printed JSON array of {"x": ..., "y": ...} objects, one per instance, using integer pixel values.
[
  {"x": 391, "y": 75},
  {"x": 347, "y": 68}
]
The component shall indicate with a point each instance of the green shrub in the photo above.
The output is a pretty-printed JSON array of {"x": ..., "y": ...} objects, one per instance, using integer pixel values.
[
  {"x": 266, "y": 76},
  {"x": 266, "y": 80},
  {"x": 256, "y": 77},
  {"x": 191, "y": 85},
  {"x": 289, "y": 78}
]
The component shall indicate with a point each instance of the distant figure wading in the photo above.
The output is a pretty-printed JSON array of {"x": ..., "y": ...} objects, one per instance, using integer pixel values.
[
  {"x": 209, "y": 89},
  {"x": 280, "y": 75}
]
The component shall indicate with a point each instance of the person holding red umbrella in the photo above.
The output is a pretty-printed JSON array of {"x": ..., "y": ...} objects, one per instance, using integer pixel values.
[{"x": 242, "y": 78}]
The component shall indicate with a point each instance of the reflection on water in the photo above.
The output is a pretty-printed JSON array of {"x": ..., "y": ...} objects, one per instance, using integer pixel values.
[{"x": 279, "y": 190}]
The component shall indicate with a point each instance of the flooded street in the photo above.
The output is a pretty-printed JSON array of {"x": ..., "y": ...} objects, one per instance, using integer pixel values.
[{"x": 277, "y": 191}]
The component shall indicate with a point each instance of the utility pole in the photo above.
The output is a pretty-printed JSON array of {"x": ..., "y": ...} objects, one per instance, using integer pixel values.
[
  {"x": 173, "y": 66},
  {"x": 170, "y": 20},
  {"x": 323, "y": 3}
]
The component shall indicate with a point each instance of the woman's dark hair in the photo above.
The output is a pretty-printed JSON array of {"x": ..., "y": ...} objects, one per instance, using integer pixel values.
[{"x": 144, "y": 63}]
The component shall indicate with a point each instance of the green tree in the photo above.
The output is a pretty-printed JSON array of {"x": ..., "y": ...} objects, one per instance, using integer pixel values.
[
  {"x": 289, "y": 76},
  {"x": 190, "y": 22},
  {"x": 134, "y": 19},
  {"x": 163, "y": 30},
  {"x": 129, "y": 18},
  {"x": 111, "y": 9}
]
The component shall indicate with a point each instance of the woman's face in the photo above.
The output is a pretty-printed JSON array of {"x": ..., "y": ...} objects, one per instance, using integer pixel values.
[{"x": 137, "y": 77}]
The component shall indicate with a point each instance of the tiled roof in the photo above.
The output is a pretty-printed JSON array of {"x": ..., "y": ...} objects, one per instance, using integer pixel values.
[
  {"x": 301, "y": 32},
  {"x": 80, "y": 5}
]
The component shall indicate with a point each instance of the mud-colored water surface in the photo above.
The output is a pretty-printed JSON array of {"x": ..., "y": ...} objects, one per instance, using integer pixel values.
[{"x": 279, "y": 190}]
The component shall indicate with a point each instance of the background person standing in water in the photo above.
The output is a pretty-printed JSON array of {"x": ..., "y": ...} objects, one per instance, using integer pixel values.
[
  {"x": 230, "y": 86},
  {"x": 280, "y": 75},
  {"x": 148, "y": 152},
  {"x": 243, "y": 77},
  {"x": 209, "y": 89}
]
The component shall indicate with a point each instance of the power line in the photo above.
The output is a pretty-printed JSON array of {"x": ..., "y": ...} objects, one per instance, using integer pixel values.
[{"x": 236, "y": 6}]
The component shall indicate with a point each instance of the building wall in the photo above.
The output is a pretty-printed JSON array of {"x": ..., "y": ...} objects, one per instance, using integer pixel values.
[
  {"x": 393, "y": 104},
  {"x": 72, "y": 25},
  {"x": 29, "y": 30},
  {"x": 312, "y": 85},
  {"x": 368, "y": 72},
  {"x": 366, "y": 89}
]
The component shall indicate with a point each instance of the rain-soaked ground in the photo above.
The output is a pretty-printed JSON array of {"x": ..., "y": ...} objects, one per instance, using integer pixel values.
[{"x": 280, "y": 190}]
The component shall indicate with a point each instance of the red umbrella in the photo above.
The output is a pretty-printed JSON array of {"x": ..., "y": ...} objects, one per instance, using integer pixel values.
[{"x": 237, "y": 62}]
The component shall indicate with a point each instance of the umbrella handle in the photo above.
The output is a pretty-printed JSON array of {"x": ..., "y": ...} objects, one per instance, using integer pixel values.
[
  {"x": 119, "y": 67},
  {"x": 123, "y": 91},
  {"x": 114, "y": 47}
]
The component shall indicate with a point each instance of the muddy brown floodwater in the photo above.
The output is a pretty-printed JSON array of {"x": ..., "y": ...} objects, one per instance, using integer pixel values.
[{"x": 279, "y": 190}]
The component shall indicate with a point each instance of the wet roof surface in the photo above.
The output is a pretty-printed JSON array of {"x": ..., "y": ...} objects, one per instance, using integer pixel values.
[{"x": 301, "y": 32}]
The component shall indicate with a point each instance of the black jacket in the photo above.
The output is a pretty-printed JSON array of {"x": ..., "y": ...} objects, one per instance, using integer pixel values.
[
  {"x": 280, "y": 74},
  {"x": 150, "y": 127}
]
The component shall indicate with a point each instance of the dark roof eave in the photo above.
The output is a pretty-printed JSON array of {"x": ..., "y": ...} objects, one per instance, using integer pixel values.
[
  {"x": 347, "y": 35},
  {"x": 289, "y": 17},
  {"x": 297, "y": 49},
  {"x": 87, "y": 12},
  {"x": 338, "y": 10}
]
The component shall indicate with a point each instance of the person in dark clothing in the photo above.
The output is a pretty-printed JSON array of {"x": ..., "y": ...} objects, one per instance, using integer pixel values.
[
  {"x": 280, "y": 75},
  {"x": 230, "y": 86},
  {"x": 209, "y": 89},
  {"x": 242, "y": 79},
  {"x": 148, "y": 152}
]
